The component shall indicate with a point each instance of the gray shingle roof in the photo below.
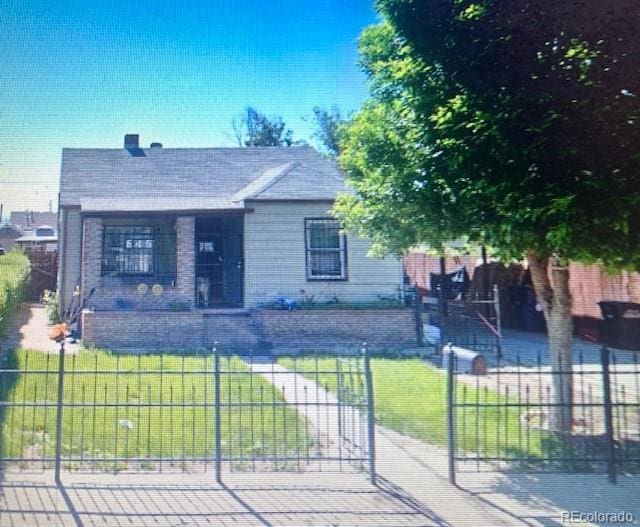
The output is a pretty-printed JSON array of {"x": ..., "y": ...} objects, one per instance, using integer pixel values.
[
  {"x": 30, "y": 220},
  {"x": 194, "y": 178}
]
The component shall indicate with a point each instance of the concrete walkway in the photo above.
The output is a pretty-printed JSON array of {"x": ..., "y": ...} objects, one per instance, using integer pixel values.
[
  {"x": 29, "y": 329},
  {"x": 481, "y": 499}
]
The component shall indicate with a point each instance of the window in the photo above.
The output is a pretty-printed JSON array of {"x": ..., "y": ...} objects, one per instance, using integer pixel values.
[
  {"x": 326, "y": 250},
  {"x": 128, "y": 250}
]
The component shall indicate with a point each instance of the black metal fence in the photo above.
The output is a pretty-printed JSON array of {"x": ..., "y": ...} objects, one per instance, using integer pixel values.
[
  {"x": 97, "y": 411},
  {"x": 472, "y": 321},
  {"x": 511, "y": 420}
]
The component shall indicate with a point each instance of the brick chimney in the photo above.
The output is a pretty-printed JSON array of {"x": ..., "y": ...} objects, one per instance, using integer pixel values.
[{"x": 131, "y": 141}]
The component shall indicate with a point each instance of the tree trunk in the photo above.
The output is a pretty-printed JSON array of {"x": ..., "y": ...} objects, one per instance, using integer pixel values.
[{"x": 555, "y": 297}]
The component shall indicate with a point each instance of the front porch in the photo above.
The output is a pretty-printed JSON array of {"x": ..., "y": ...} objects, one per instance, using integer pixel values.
[{"x": 162, "y": 262}]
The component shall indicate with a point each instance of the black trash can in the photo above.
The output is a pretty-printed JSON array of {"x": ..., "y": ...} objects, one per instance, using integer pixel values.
[
  {"x": 621, "y": 324},
  {"x": 526, "y": 316}
]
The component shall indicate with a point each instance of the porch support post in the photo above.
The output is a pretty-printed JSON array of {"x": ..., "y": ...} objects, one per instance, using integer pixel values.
[{"x": 186, "y": 258}]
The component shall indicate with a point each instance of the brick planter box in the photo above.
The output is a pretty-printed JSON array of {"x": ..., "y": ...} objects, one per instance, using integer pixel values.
[
  {"x": 168, "y": 330},
  {"x": 245, "y": 331},
  {"x": 392, "y": 329}
]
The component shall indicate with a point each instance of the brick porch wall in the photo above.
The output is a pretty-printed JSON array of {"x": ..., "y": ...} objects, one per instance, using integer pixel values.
[
  {"x": 168, "y": 331},
  {"x": 91, "y": 254},
  {"x": 392, "y": 329},
  {"x": 186, "y": 258},
  {"x": 111, "y": 290}
]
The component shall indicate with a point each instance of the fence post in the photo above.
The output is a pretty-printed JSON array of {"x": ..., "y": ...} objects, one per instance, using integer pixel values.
[
  {"x": 371, "y": 414},
  {"x": 608, "y": 414},
  {"x": 339, "y": 395},
  {"x": 496, "y": 307},
  {"x": 216, "y": 392},
  {"x": 442, "y": 302},
  {"x": 59, "y": 408},
  {"x": 451, "y": 432}
]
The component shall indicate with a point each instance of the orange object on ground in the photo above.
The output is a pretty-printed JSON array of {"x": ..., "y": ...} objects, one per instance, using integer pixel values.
[{"x": 58, "y": 332}]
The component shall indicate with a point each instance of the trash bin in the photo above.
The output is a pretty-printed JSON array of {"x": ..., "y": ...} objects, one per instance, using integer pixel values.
[
  {"x": 621, "y": 324},
  {"x": 526, "y": 316}
]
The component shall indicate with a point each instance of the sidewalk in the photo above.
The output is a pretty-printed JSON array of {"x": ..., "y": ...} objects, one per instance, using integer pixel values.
[
  {"x": 29, "y": 329},
  {"x": 163, "y": 500},
  {"x": 481, "y": 499}
]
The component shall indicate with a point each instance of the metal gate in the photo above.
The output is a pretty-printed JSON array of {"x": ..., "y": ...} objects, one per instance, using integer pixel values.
[
  {"x": 44, "y": 271},
  {"x": 503, "y": 421},
  {"x": 97, "y": 411}
]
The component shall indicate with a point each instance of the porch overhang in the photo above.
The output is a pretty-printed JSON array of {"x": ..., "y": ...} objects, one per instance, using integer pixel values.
[{"x": 150, "y": 205}]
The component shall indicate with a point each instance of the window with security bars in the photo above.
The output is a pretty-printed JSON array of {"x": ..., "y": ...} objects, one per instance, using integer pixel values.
[
  {"x": 128, "y": 250},
  {"x": 325, "y": 249}
]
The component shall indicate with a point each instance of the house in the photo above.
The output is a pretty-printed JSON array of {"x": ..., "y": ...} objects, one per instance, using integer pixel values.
[
  {"x": 8, "y": 235},
  {"x": 180, "y": 247},
  {"x": 27, "y": 221},
  {"x": 42, "y": 238}
]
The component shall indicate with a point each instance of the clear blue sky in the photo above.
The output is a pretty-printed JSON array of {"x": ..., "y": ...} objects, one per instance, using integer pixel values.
[{"x": 84, "y": 73}]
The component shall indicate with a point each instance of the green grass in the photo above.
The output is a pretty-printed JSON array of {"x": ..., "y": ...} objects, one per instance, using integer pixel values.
[
  {"x": 182, "y": 427},
  {"x": 410, "y": 398},
  {"x": 14, "y": 273}
]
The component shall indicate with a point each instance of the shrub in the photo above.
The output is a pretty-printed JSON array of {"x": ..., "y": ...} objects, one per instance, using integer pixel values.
[
  {"x": 51, "y": 302},
  {"x": 14, "y": 276}
]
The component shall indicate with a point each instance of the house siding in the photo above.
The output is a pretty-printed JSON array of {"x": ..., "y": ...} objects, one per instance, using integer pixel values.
[{"x": 275, "y": 260}]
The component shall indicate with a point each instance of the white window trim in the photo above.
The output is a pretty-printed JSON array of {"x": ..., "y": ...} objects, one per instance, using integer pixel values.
[{"x": 342, "y": 251}]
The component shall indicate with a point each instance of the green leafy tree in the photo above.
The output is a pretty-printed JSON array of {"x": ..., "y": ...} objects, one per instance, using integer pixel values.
[
  {"x": 514, "y": 124},
  {"x": 328, "y": 123},
  {"x": 255, "y": 129}
]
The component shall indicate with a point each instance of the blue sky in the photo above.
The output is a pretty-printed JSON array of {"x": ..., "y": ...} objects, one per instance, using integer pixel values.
[{"x": 84, "y": 73}]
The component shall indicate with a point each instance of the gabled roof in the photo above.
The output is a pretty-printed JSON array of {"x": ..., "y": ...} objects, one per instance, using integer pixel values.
[
  {"x": 9, "y": 231},
  {"x": 194, "y": 178},
  {"x": 29, "y": 220}
]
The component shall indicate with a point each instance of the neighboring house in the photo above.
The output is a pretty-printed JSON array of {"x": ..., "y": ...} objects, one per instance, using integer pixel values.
[
  {"x": 42, "y": 238},
  {"x": 27, "y": 221},
  {"x": 203, "y": 238},
  {"x": 8, "y": 235}
]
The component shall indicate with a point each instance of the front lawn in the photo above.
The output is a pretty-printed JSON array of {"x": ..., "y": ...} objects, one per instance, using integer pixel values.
[
  {"x": 140, "y": 409},
  {"x": 410, "y": 398}
]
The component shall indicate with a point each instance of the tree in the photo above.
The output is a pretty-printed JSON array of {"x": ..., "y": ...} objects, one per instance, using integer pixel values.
[
  {"x": 512, "y": 123},
  {"x": 255, "y": 129},
  {"x": 328, "y": 123}
]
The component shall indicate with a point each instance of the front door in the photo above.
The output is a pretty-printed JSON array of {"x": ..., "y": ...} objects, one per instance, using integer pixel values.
[
  {"x": 219, "y": 262},
  {"x": 209, "y": 270}
]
